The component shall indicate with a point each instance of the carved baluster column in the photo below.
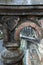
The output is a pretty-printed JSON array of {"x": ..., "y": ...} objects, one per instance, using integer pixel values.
[{"x": 12, "y": 55}]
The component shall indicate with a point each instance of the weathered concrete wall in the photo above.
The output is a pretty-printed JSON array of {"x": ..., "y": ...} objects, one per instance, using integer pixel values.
[{"x": 22, "y": 2}]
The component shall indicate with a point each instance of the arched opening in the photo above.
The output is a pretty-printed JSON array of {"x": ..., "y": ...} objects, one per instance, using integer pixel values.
[
  {"x": 29, "y": 34},
  {"x": 31, "y": 26}
]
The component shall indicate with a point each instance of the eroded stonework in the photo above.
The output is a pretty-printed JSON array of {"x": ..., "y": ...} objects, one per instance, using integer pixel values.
[{"x": 12, "y": 26}]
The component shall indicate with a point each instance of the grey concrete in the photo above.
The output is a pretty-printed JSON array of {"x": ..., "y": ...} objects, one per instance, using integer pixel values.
[{"x": 21, "y": 2}]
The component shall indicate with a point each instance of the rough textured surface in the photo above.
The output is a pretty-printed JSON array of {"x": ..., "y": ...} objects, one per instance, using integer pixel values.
[
  {"x": 10, "y": 22},
  {"x": 21, "y": 2}
]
